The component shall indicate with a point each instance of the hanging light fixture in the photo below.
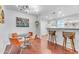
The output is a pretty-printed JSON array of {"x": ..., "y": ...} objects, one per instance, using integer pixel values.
[
  {"x": 28, "y": 8},
  {"x": 22, "y": 7}
]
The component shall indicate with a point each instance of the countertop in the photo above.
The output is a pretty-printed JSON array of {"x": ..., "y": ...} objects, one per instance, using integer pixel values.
[{"x": 50, "y": 29}]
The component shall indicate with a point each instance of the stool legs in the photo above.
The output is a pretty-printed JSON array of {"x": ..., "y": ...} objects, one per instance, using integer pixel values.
[
  {"x": 49, "y": 37},
  {"x": 72, "y": 44},
  {"x": 64, "y": 42},
  {"x": 53, "y": 38}
]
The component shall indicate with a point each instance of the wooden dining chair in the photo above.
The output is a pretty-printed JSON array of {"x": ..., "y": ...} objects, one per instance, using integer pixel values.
[{"x": 14, "y": 40}]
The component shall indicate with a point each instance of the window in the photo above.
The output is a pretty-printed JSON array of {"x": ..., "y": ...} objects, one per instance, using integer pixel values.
[{"x": 60, "y": 23}]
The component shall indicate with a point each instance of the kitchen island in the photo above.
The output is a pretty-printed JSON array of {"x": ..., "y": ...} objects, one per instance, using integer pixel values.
[{"x": 59, "y": 36}]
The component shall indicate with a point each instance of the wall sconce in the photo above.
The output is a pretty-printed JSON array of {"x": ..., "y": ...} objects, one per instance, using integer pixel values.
[{"x": 36, "y": 22}]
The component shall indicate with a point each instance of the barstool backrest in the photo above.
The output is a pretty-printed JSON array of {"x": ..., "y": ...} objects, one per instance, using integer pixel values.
[
  {"x": 70, "y": 35},
  {"x": 52, "y": 32}
]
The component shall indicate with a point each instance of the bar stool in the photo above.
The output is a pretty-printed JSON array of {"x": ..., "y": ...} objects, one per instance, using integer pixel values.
[
  {"x": 71, "y": 36},
  {"x": 52, "y": 36}
]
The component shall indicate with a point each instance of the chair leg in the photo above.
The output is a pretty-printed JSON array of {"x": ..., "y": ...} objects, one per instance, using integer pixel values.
[
  {"x": 55, "y": 39},
  {"x": 52, "y": 38},
  {"x": 49, "y": 37},
  {"x": 72, "y": 44},
  {"x": 64, "y": 43}
]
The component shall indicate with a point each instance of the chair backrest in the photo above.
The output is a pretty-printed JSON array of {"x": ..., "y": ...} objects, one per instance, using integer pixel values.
[
  {"x": 52, "y": 32},
  {"x": 30, "y": 33},
  {"x": 14, "y": 40},
  {"x": 70, "y": 35},
  {"x": 14, "y": 35}
]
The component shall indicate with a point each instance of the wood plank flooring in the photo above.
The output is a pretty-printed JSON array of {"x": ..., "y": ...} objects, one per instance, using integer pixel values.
[{"x": 43, "y": 46}]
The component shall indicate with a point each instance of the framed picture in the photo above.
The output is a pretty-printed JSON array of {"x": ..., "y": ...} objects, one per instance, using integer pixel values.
[
  {"x": 1, "y": 15},
  {"x": 22, "y": 22}
]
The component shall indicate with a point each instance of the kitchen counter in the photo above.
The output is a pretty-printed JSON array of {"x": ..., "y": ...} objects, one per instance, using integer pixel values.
[
  {"x": 63, "y": 29},
  {"x": 59, "y": 37}
]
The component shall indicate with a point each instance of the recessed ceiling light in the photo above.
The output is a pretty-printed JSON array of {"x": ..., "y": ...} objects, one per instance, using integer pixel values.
[{"x": 59, "y": 12}]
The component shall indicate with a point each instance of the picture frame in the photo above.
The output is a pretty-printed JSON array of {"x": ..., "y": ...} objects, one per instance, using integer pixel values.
[
  {"x": 22, "y": 22},
  {"x": 1, "y": 15}
]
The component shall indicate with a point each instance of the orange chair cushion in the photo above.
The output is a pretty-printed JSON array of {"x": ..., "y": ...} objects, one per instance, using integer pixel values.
[{"x": 15, "y": 42}]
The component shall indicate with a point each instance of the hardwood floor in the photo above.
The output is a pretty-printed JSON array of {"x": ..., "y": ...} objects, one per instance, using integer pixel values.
[{"x": 42, "y": 46}]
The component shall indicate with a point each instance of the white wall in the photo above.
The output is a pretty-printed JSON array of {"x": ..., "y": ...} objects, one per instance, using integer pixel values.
[
  {"x": 43, "y": 27},
  {"x": 9, "y": 26}
]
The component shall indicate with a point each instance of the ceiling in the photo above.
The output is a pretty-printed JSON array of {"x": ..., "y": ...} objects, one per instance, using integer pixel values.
[{"x": 50, "y": 10}]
